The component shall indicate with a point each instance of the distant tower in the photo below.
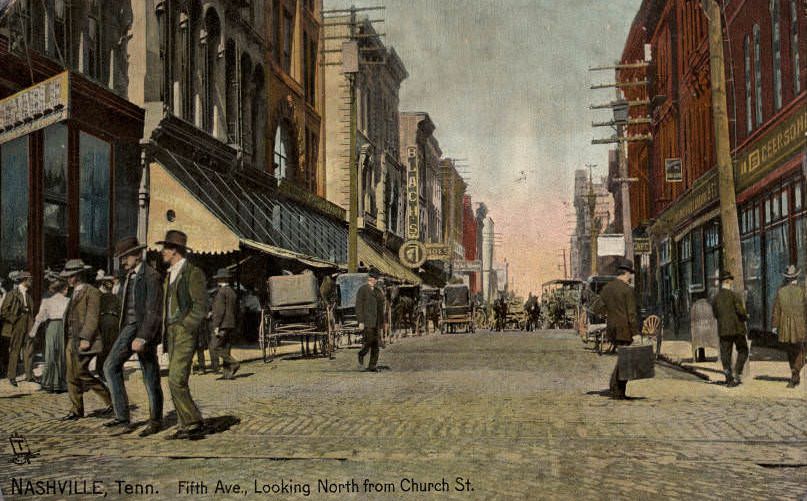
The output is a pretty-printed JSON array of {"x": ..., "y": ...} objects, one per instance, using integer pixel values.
[{"x": 488, "y": 278}]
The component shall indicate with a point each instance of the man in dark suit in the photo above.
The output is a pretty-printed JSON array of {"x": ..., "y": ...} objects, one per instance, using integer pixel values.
[
  {"x": 618, "y": 300},
  {"x": 83, "y": 339},
  {"x": 141, "y": 305},
  {"x": 18, "y": 318},
  {"x": 370, "y": 315},
  {"x": 185, "y": 306},
  {"x": 222, "y": 324},
  {"x": 731, "y": 315}
]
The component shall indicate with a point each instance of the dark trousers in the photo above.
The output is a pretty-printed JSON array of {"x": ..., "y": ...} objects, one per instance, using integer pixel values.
[
  {"x": 795, "y": 357},
  {"x": 370, "y": 345},
  {"x": 4, "y": 347},
  {"x": 120, "y": 352},
  {"x": 220, "y": 349},
  {"x": 80, "y": 380},
  {"x": 21, "y": 343},
  {"x": 727, "y": 345},
  {"x": 617, "y": 386}
]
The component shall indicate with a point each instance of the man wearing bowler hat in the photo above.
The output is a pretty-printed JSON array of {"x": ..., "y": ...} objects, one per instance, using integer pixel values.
[
  {"x": 370, "y": 315},
  {"x": 618, "y": 299},
  {"x": 83, "y": 339},
  {"x": 222, "y": 324},
  {"x": 141, "y": 307},
  {"x": 185, "y": 306},
  {"x": 790, "y": 322},
  {"x": 731, "y": 315},
  {"x": 18, "y": 318}
]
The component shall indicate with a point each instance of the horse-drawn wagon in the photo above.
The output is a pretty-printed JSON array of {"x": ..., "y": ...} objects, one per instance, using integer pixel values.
[{"x": 457, "y": 313}]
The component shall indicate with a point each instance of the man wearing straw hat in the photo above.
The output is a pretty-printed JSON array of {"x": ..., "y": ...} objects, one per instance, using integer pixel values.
[
  {"x": 790, "y": 322},
  {"x": 141, "y": 307},
  {"x": 731, "y": 315},
  {"x": 185, "y": 306},
  {"x": 222, "y": 324},
  {"x": 18, "y": 317},
  {"x": 83, "y": 339}
]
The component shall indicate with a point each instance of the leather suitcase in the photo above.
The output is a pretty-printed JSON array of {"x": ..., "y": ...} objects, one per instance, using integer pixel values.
[{"x": 636, "y": 362}]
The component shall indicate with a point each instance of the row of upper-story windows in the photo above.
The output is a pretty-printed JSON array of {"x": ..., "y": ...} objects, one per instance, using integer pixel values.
[
  {"x": 782, "y": 27},
  {"x": 79, "y": 34},
  {"x": 283, "y": 45}
]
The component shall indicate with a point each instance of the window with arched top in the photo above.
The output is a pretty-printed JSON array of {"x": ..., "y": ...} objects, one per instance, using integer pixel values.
[{"x": 209, "y": 38}]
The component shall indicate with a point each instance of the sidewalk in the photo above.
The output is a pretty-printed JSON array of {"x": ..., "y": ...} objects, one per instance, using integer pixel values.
[{"x": 766, "y": 364}]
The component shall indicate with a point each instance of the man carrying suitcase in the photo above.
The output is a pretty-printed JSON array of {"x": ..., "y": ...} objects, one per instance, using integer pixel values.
[{"x": 618, "y": 299}]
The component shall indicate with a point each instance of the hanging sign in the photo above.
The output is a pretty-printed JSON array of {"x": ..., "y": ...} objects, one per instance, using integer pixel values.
[
  {"x": 34, "y": 108},
  {"x": 673, "y": 172}
]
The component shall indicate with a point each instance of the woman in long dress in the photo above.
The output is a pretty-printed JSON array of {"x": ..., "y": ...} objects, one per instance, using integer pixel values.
[{"x": 52, "y": 310}]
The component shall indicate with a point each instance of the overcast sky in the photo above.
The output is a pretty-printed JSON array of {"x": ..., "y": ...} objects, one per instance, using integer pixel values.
[{"x": 506, "y": 82}]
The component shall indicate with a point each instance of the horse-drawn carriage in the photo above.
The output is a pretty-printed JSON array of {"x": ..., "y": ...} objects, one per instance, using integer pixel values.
[
  {"x": 295, "y": 311},
  {"x": 346, "y": 325},
  {"x": 516, "y": 315},
  {"x": 560, "y": 306},
  {"x": 457, "y": 312},
  {"x": 430, "y": 307},
  {"x": 407, "y": 316}
]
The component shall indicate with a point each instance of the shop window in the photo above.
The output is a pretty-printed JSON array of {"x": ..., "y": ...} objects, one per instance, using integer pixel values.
[
  {"x": 767, "y": 210},
  {"x": 712, "y": 257},
  {"x": 785, "y": 203},
  {"x": 55, "y": 195},
  {"x": 797, "y": 200},
  {"x": 777, "y": 257},
  {"x": 13, "y": 205},
  {"x": 94, "y": 187},
  {"x": 697, "y": 260}
]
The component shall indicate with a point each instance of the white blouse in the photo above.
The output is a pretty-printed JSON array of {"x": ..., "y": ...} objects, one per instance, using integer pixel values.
[{"x": 52, "y": 308}]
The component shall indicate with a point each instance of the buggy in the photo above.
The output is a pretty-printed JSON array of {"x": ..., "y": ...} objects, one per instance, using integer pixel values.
[
  {"x": 295, "y": 310},
  {"x": 346, "y": 325},
  {"x": 591, "y": 323},
  {"x": 430, "y": 307},
  {"x": 457, "y": 311},
  {"x": 406, "y": 312},
  {"x": 561, "y": 303}
]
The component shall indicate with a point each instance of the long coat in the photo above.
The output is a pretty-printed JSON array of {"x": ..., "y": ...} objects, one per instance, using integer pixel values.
[
  {"x": 191, "y": 297},
  {"x": 619, "y": 302},
  {"x": 370, "y": 307},
  {"x": 224, "y": 306},
  {"x": 81, "y": 319},
  {"x": 730, "y": 313},
  {"x": 790, "y": 314},
  {"x": 148, "y": 296},
  {"x": 17, "y": 319}
]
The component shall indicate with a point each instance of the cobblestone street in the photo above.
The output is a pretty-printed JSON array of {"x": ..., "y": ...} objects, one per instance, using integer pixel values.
[{"x": 515, "y": 416}]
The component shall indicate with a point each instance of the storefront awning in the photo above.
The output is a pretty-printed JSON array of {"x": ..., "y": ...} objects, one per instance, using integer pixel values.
[
  {"x": 374, "y": 255},
  {"x": 222, "y": 212},
  {"x": 287, "y": 254}
]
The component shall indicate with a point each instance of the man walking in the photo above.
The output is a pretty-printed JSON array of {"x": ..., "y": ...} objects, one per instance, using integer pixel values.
[
  {"x": 222, "y": 324},
  {"x": 730, "y": 313},
  {"x": 618, "y": 300},
  {"x": 790, "y": 322},
  {"x": 141, "y": 306},
  {"x": 18, "y": 317},
  {"x": 109, "y": 322},
  {"x": 83, "y": 339},
  {"x": 185, "y": 308},
  {"x": 370, "y": 315}
]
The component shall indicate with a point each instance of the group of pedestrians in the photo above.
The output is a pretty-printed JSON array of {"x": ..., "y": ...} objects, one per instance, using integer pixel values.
[
  {"x": 618, "y": 300},
  {"x": 122, "y": 316}
]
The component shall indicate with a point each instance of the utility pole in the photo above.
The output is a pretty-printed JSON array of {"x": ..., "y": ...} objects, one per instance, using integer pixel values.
[
  {"x": 732, "y": 251},
  {"x": 350, "y": 64},
  {"x": 593, "y": 223},
  {"x": 621, "y": 120}
]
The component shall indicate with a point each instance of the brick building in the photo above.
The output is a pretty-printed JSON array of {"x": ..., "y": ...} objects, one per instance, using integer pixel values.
[{"x": 765, "y": 71}]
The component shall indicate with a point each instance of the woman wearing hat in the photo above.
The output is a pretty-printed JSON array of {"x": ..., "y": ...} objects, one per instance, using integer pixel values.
[
  {"x": 51, "y": 313},
  {"x": 790, "y": 322}
]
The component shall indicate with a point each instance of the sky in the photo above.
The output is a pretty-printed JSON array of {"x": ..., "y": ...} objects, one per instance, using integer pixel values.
[{"x": 507, "y": 84}]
